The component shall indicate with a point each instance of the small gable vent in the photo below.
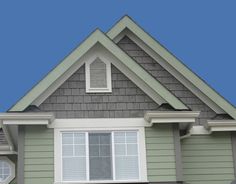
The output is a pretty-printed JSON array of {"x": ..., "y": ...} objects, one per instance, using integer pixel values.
[{"x": 98, "y": 76}]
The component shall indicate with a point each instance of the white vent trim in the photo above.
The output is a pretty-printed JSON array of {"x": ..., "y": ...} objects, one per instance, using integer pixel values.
[{"x": 89, "y": 89}]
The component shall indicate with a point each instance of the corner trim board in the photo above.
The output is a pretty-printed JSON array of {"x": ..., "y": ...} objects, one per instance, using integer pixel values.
[{"x": 20, "y": 160}]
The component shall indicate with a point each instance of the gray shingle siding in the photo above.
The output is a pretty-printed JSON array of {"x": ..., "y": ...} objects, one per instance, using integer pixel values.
[
  {"x": 126, "y": 100},
  {"x": 71, "y": 101},
  {"x": 164, "y": 77}
]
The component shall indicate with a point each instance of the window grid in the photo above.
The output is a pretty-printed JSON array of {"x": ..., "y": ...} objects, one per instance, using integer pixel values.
[
  {"x": 86, "y": 144},
  {"x": 5, "y": 171}
]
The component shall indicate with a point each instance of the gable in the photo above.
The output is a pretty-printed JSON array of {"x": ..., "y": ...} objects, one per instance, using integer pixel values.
[
  {"x": 126, "y": 26},
  {"x": 166, "y": 79},
  {"x": 70, "y": 100},
  {"x": 72, "y": 62}
]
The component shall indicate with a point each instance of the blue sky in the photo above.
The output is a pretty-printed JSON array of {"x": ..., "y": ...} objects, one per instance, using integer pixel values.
[{"x": 36, "y": 35}]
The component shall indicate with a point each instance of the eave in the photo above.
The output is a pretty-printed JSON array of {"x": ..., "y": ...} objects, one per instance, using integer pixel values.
[
  {"x": 184, "y": 118},
  {"x": 26, "y": 118},
  {"x": 220, "y": 125}
]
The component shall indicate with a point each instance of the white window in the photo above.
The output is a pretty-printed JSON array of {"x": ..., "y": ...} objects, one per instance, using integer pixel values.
[
  {"x": 100, "y": 156},
  {"x": 98, "y": 76},
  {"x": 7, "y": 170}
]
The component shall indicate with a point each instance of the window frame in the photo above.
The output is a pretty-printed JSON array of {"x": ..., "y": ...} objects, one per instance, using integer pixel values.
[
  {"x": 108, "y": 89},
  {"x": 141, "y": 154},
  {"x": 12, "y": 170}
]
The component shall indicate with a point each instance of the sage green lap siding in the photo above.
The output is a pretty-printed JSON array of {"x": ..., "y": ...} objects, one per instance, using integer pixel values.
[
  {"x": 39, "y": 155},
  {"x": 207, "y": 159},
  {"x": 160, "y": 153}
]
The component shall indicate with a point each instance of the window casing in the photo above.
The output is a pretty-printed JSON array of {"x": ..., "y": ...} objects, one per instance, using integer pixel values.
[
  {"x": 94, "y": 156},
  {"x": 109, "y": 155},
  {"x": 98, "y": 76}
]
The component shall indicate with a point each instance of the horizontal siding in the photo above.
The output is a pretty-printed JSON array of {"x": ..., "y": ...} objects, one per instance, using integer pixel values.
[
  {"x": 160, "y": 153},
  {"x": 208, "y": 159},
  {"x": 38, "y": 155}
]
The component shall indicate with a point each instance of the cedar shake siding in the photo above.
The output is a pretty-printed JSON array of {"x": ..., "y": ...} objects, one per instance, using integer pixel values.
[
  {"x": 165, "y": 78},
  {"x": 71, "y": 100}
]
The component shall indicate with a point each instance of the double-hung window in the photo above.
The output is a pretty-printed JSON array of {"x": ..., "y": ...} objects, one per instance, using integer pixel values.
[{"x": 100, "y": 156}]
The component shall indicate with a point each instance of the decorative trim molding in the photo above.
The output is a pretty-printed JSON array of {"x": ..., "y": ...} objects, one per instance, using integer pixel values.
[
  {"x": 26, "y": 118},
  {"x": 184, "y": 118},
  {"x": 221, "y": 125},
  {"x": 99, "y": 123}
]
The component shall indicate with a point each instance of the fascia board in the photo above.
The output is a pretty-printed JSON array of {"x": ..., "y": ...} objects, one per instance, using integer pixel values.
[
  {"x": 95, "y": 37},
  {"x": 126, "y": 22},
  {"x": 55, "y": 73}
]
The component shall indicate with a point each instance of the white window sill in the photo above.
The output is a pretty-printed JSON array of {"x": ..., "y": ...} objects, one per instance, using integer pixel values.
[{"x": 94, "y": 182}]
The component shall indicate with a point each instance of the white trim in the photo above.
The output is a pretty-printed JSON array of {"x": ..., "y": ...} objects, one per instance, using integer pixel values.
[
  {"x": 221, "y": 125},
  {"x": 184, "y": 118},
  {"x": 57, "y": 157},
  {"x": 12, "y": 170},
  {"x": 25, "y": 122},
  {"x": 100, "y": 123},
  {"x": 108, "y": 75},
  {"x": 199, "y": 130},
  {"x": 26, "y": 118}
]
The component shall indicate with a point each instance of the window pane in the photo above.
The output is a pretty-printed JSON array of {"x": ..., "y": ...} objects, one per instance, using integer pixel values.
[
  {"x": 126, "y": 156},
  {"x": 132, "y": 149},
  {"x": 120, "y": 149},
  {"x": 67, "y": 138},
  {"x": 100, "y": 158},
  {"x": 73, "y": 156},
  {"x": 98, "y": 78},
  {"x": 119, "y": 137},
  {"x": 67, "y": 150},
  {"x": 127, "y": 167},
  {"x": 80, "y": 150},
  {"x": 131, "y": 137},
  {"x": 79, "y": 138},
  {"x": 74, "y": 169},
  {"x": 4, "y": 170}
]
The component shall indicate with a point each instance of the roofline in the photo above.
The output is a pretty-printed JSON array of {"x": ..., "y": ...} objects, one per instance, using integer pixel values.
[
  {"x": 127, "y": 23},
  {"x": 98, "y": 37}
]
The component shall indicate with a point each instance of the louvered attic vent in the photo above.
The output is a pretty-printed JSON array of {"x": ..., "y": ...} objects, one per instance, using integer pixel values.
[{"x": 98, "y": 76}]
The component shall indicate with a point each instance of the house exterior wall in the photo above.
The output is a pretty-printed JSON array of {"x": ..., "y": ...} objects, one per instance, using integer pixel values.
[
  {"x": 38, "y": 155},
  {"x": 160, "y": 153},
  {"x": 207, "y": 159},
  {"x": 71, "y": 101},
  {"x": 128, "y": 101}
]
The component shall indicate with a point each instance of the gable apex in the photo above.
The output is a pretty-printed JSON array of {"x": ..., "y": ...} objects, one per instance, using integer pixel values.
[
  {"x": 193, "y": 82},
  {"x": 98, "y": 37}
]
